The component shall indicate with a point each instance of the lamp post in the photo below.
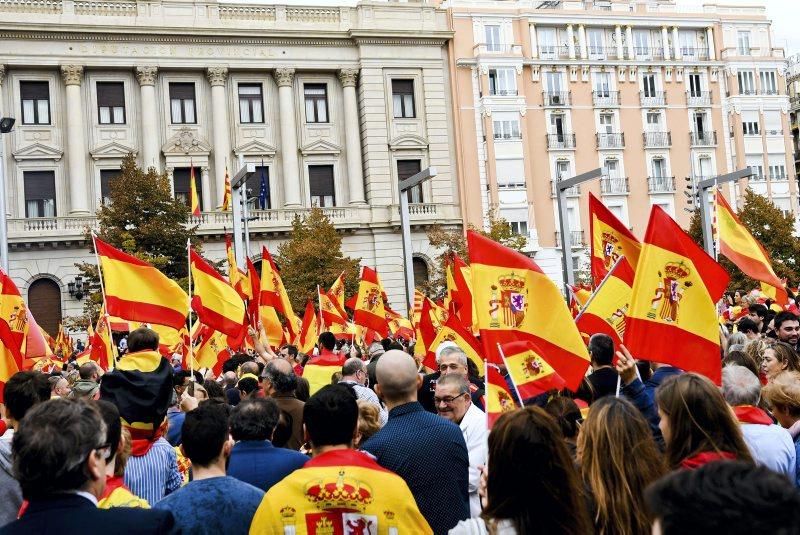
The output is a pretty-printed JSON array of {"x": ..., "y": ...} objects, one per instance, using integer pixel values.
[
  {"x": 6, "y": 124},
  {"x": 239, "y": 209},
  {"x": 702, "y": 202},
  {"x": 405, "y": 227}
]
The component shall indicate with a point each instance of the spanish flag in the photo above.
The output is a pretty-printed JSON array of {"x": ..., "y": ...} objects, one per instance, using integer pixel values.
[
  {"x": 330, "y": 312},
  {"x": 426, "y": 331},
  {"x": 498, "y": 398},
  {"x": 36, "y": 346},
  {"x": 530, "y": 372},
  {"x": 215, "y": 302},
  {"x": 610, "y": 240},
  {"x": 228, "y": 195},
  {"x": 607, "y": 311},
  {"x": 673, "y": 317},
  {"x": 740, "y": 247},
  {"x": 336, "y": 291},
  {"x": 369, "y": 311},
  {"x": 195, "y": 200},
  {"x": 212, "y": 351},
  {"x": 454, "y": 331},
  {"x": 515, "y": 300},
  {"x": 273, "y": 293},
  {"x": 137, "y": 291},
  {"x": 344, "y": 332},
  {"x": 319, "y": 370},
  {"x": 399, "y": 326},
  {"x": 465, "y": 308},
  {"x": 13, "y": 329},
  {"x": 309, "y": 330},
  {"x": 255, "y": 292},
  {"x": 102, "y": 350},
  {"x": 450, "y": 294}
]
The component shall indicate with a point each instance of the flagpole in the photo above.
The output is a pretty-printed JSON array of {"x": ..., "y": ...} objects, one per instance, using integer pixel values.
[
  {"x": 319, "y": 304},
  {"x": 105, "y": 305},
  {"x": 189, "y": 263},
  {"x": 516, "y": 391},
  {"x": 602, "y": 282},
  {"x": 486, "y": 379}
]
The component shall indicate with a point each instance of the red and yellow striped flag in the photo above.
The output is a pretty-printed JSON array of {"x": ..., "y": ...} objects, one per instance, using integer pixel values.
[
  {"x": 194, "y": 198},
  {"x": 336, "y": 291},
  {"x": 498, "y": 398},
  {"x": 137, "y": 291},
  {"x": 515, "y": 300},
  {"x": 673, "y": 318},
  {"x": 215, "y": 302},
  {"x": 212, "y": 351},
  {"x": 13, "y": 329},
  {"x": 426, "y": 329},
  {"x": 369, "y": 311},
  {"x": 465, "y": 308},
  {"x": 228, "y": 195},
  {"x": 606, "y": 312},
  {"x": 330, "y": 313},
  {"x": 530, "y": 372},
  {"x": 454, "y": 331},
  {"x": 273, "y": 293},
  {"x": 610, "y": 240},
  {"x": 309, "y": 330},
  {"x": 740, "y": 247}
]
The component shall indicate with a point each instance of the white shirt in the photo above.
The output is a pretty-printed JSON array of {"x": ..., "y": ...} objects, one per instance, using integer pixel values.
[
  {"x": 771, "y": 446},
  {"x": 473, "y": 426}
]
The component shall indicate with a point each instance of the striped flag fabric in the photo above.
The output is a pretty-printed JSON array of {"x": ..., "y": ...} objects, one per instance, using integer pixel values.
[
  {"x": 309, "y": 330},
  {"x": 607, "y": 311},
  {"x": 530, "y": 370},
  {"x": 195, "y": 199},
  {"x": 13, "y": 329},
  {"x": 498, "y": 398},
  {"x": 215, "y": 302},
  {"x": 369, "y": 310},
  {"x": 454, "y": 331},
  {"x": 610, "y": 239},
  {"x": 228, "y": 195}
]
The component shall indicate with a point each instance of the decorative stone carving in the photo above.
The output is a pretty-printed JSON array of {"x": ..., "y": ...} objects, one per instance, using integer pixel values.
[
  {"x": 2, "y": 73},
  {"x": 185, "y": 141},
  {"x": 72, "y": 74},
  {"x": 217, "y": 75},
  {"x": 348, "y": 77},
  {"x": 146, "y": 75},
  {"x": 284, "y": 76}
]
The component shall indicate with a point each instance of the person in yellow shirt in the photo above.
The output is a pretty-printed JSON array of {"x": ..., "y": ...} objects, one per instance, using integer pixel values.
[
  {"x": 340, "y": 490},
  {"x": 116, "y": 493}
]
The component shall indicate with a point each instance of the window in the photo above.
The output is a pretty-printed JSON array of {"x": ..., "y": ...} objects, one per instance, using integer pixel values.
[
  {"x": 649, "y": 85},
  {"x": 653, "y": 121},
  {"x": 596, "y": 48},
  {"x": 743, "y": 40},
  {"x": 35, "y": 98},
  {"x": 606, "y": 123},
  {"x": 602, "y": 84},
  {"x": 320, "y": 185},
  {"x": 316, "y": 96},
  {"x": 502, "y": 82},
  {"x": 111, "y": 102},
  {"x": 492, "y": 33},
  {"x": 557, "y": 125},
  {"x": 750, "y": 123},
  {"x": 705, "y": 167},
  {"x": 258, "y": 192},
  {"x": 40, "y": 193},
  {"x": 695, "y": 85},
  {"x": 105, "y": 184},
  {"x": 700, "y": 123},
  {"x": 506, "y": 129},
  {"x": 181, "y": 184},
  {"x": 758, "y": 171},
  {"x": 403, "y": 99},
  {"x": 747, "y": 85},
  {"x": 182, "y": 108},
  {"x": 553, "y": 82},
  {"x": 612, "y": 165},
  {"x": 768, "y": 84},
  {"x": 510, "y": 173},
  {"x": 641, "y": 43},
  {"x": 519, "y": 228},
  {"x": 562, "y": 170},
  {"x": 777, "y": 172},
  {"x": 783, "y": 204},
  {"x": 251, "y": 103},
  {"x": 421, "y": 275},
  {"x": 548, "y": 49},
  {"x": 688, "y": 43},
  {"x": 405, "y": 169},
  {"x": 772, "y": 123},
  {"x": 659, "y": 167}
]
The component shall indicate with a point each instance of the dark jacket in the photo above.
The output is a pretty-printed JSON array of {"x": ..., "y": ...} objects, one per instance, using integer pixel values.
[
  {"x": 659, "y": 376},
  {"x": 426, "y": 391},
  {"x": 10, "y": 493},
  {"x": 602, "y": 382},
  {"x": 294, "y": 408},
  {"x": 68, "y": 514},
  {"x": 261, "y": 464}
]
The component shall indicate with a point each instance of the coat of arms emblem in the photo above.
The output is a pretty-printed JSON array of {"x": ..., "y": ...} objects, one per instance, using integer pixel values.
[
  {"x": 668, "y": 294},
  {"x": 509, "y": 301}
]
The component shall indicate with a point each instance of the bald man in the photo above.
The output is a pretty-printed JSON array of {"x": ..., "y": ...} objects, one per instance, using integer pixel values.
[
  {"x": 412, "y": 437},
  {"x": 280, "y": 382}
]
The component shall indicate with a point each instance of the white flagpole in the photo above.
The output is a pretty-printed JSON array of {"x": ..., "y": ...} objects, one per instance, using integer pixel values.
[
  {"x": 602, "y": 282},
  {"x": 516, "y": 391},
  {"x": 105, "y": 305},
  {"x": 191, "y": 349},
  {"x": 319, "y": 304}
]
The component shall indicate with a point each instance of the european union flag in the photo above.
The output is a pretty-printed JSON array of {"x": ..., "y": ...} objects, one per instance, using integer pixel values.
[{"x": 263, "y": 193}]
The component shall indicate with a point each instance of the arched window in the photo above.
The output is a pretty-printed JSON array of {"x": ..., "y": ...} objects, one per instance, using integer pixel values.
[
  {"x": 420, "y": 271},
  {"x": 44, "y": 302}
]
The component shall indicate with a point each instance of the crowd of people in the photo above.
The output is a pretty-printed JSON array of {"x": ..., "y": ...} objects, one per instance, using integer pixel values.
[{"x": 387, "y": 446}]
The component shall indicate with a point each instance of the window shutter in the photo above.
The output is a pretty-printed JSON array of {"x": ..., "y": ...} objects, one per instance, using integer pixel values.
[
  {"x": 320, "y": 180},
  {"x": 181, "y": 90},
  {"x": 110, "y": 94},
  {"x": 40, "y": 185},
  {"x": 34, "y": 90}
]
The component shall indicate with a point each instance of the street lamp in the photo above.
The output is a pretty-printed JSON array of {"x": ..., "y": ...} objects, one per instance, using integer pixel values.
[
  {"x": 239, "y": 209},
  {"x": 78, "y": 287},
  {"x": 405, "y": 185},
  {"x": 6, "y": 125}
]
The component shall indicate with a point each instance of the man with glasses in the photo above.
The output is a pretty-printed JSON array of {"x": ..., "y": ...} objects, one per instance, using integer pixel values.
[
  {"x": 354, "y": 373},
  {"x": 450, "y": 359},
  {"x": 60, "y": 455},
  {"x": 452, "y": 399}
]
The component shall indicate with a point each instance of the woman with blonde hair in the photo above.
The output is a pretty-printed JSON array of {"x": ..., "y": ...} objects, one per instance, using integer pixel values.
[
  {"x": 368, "y": 420},
  {"x": 779, "y": 356},
  {"x": 783, "y": 393},
  {"x": 618, "y": 459}
]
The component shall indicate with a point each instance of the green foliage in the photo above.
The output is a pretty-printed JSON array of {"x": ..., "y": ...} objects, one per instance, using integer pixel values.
[{"x": 313, "y": 256}]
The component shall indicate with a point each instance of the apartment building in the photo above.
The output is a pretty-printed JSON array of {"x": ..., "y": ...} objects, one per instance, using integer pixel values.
[
  {"x": 334, "y": 103},
  {"x": 546, "y": 90},
  {"x": 793, "y": 89}
]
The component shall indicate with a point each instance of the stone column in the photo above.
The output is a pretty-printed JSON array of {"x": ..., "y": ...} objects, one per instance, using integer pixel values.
[
  {"x": 352, "y": 134},
  {"x": 76, "y": 141},
  {"x": 665, "y": 42},
  {"x": 534, "y": 42},
  {"x": 582, "y": 41},
  {"x": 217, "y": 76},
  {"x": 150, "y": 128},
  {"x": 629, "y": 38},
  {"x": 171, "y": 178},
  {"x": 284, "y": 76},
  {"x": 618, "y": 36},
  {"x": 712, "y": 48},
  {"x": 676, "y": 45},
  {"x": 205, "y": 187},
  {"x": 571, "y": 41}
]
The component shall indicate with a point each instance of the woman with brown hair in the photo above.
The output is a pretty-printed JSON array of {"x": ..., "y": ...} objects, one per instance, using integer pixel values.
[
  {"x": 783, "y": 393},
  {"x": 531, "y": 484},
  {"x": 778, "y": 357},
  {"x": 618, "y": 459},
  {"x": 697, "y": 424}
]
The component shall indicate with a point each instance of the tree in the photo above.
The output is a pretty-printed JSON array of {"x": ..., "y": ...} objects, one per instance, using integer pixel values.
[
  {"x": 313, "y": 256},
  {"x": 145, "y": 220}
]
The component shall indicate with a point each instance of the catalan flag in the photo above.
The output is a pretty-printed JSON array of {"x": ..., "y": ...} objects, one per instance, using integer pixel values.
[
  {"x": 454, "y": 331},
  {"x": 530, "y": 371},
  {"x": 673, "y": 317},
  {"x": 515, "y": 300},
  {"x": 610, "y": 240},
  {"x": 369, "y": 311},
  {"x": 498, "y": 398},
  {"x": 13, "y": 329},
  {"x": 215, "y": 302},
  {"x": 195, "y": 199},
  {"x": 228, "y": 195},
  {"x": 740, "y": 247},
  {"x": 309, "y": 330},
  {"x": 137, "y": 291},
  {"x": 607, "y": 311}
]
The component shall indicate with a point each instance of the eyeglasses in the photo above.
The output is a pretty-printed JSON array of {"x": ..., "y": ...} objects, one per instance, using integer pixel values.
[
  {"x": 104, "y": 450},
  {"x": 447, "y": 400}
]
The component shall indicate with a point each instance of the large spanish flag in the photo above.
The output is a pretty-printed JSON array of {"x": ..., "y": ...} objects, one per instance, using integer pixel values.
[
  {"x": 319, "y": 370},
  {"x": 426, "y": 329},
  {"x": 529, "y": 370},
  {"x": 336, "y": 290},
  {"x": 137, "y": 291},
  {"x": 13, "y": 329},
  {"x": 329, "y": 309},
  {"x": 465, "y": 310},
  {"x": 606, "y": 312},
  {"x": 369, "y": 311},
  {"x": 215, "y": 302},
  {"x": 740, "y": 247},
  {"x": 673, "y": 318},
  {"x": 498, "y": 398},
  {"x": 515, "y": 300},
  {"x": 273, "y": 293},
  {"x": 309, "y": 330},
  {"x": 454, "y": 331},
  {"x": 610, "y": 240}
]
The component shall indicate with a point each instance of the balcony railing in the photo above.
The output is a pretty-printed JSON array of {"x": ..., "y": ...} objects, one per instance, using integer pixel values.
[
  {"x": 602, "y": 52},
  {"x": 614, "y": 140},
  {"x": 757, "y": 178},
  {"x": 614, "y": 185},
  {"x": 703, "y": 139},
  {"x": 648, "y": 52},
  {"x": 661, "y": 184},
  {"x": 773, "y": 132},
  {"x": 553, "y": 52},
  {"x": 498, "y": 48},
  {"x": 575, "y": 238},
  {"x": 556, "y": 98},
  {"x": 654, "y": 140},
  {"x": 690, "y": 53},
  {"x": 778, "y": 178},
  {"x": 698, "y": 98},
  {"x": 507, "y": 136},
  {"x": 560, "y": 141},
  {"x": 649, "y": 100},
  {"x": 574, "y": 191},
  {"x": 503, "y": 92},
  {"x": 605, "y": 98}
]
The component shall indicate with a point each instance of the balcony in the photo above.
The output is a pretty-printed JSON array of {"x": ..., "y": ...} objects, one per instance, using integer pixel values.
[
  {"x": 698, "y": 98},
  {"x": 692, "y": 53},
  {"x": 703, "y": 139},
  {"x": 614, "y": 185},
  {"x": 575, "y": 239},
  {"x": 560, "y": 141},
  {"x": 614, "y": 140},
  {"x": 602, "y": 52},
  {"x": 574, "y": 191},
  {"x": 556, "y": 99},
  {"x": 661, "y": 184},
  {"x": 773, "y": 132},
  {"x": 657, "y": 140},
  {"x": 604, "y": 99},
  {"x": 503, "y": 92},
  {"x": 778, "y": 178},
  {"x": 553, "y": 52},
  {"x": 757, "y": 178},
  {"x": 497, "y": 49},
  {"x": 507, "y": 136},
  {"x": 652, "y": 99},
  {"x": 648, "y": 52}
]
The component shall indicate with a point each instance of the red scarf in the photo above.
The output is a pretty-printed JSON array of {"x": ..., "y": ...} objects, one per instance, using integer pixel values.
[
  {"x": 696, "y": 461},
  {"x": 112, "y": 484},
  {"x": 143, "y": 439},
  {"x": 748, "y": 414}
]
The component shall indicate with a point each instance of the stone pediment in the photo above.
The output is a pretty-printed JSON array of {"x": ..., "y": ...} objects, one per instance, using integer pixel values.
[
  {"x": 408, "y": 141},
  {"x": 256, "y": 148},
  {"x": 321, "y": 146},
  {"x": 185, "y": 141},
  {"x": 112, "y": 150},
  {"x": 38, "y": 151}
]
